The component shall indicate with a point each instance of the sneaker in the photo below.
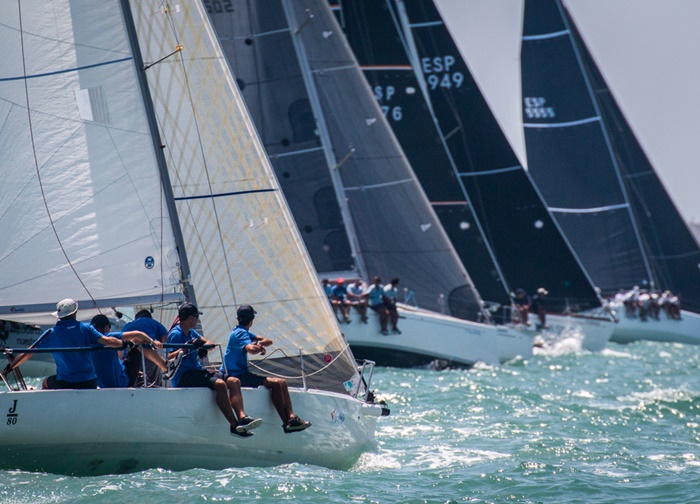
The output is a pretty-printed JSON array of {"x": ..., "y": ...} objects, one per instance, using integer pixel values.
[
  {"x": 385, "y": 332},
  {"x": 172, "y": 366},
  {"x": 296, "y": 424},
  {"x": 364, "y": 320},
  {"x": 347, "y": 320},
  {"x": 246, "y": 424},
  {"x": 395, "y": 331},
  {"x": 240, "y": 434}
]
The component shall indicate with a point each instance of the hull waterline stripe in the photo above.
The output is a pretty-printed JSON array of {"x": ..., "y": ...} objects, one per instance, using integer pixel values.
[
  {"x": 223, "y": 195},
  {"x": 67, "y": 70}
]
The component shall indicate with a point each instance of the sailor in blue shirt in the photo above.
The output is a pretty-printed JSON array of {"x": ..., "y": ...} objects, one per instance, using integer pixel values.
[
  {"x": 74, "y": 370},
  {"x": 114, "y": 373},
  {"x": 191, "y": 373},
  {"x": 242, "y": 342},
  {"x": 144, "y": 322}
]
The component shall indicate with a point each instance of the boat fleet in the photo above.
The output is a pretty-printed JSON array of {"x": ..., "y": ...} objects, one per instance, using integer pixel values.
[{"x": 221, "y": 154}]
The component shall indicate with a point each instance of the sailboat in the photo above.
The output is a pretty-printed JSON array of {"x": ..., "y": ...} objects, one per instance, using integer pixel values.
[
  {"x": 355, "y": 199},
  {"x": 134, "y": 176},
  {"x": 482, "y": 194},
  {"x": 596, "y": 177}
]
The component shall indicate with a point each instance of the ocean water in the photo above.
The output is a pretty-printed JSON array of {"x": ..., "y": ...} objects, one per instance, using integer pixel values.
[{"x": 564, "y": 426}]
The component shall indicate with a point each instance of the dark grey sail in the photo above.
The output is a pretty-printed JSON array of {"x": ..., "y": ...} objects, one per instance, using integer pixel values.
[
  {"x": 484, "y": 198},
  {"x": 333, "y": 153},
  {"x": 673, "y": 250},
  {"x": 591, "y": 169}
]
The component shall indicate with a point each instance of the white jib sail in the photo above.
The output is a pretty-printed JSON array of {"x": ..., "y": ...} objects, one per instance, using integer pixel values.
[{"x": 241, "y": 241}]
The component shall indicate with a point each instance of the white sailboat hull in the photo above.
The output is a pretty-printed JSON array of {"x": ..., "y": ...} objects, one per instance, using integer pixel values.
[
  {"x": 429, "y": 336},
  {"x": 628, "y": 329},
  {"x": 593, "y": 332},
  {"x": 22, "y": 337},
  {"x": 112, "y": 431}
]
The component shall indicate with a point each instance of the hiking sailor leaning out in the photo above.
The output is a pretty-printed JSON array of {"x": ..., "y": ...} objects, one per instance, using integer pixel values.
[
  {"x": 191, "y": 373},
  {"x": 242, "y": 342},
  {"x": 74, "y": 370}
]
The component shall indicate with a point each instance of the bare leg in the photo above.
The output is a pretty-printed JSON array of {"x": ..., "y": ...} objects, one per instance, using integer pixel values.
[
  {"x": 234, "y": 395},
  {"x": 222, "y": 401},
  {"x": 280, "y": 398}
]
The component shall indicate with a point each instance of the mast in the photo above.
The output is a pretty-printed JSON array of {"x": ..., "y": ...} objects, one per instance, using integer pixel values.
[
  {"x": 158, "y": 148},
  {"x": 331, "y": 160}
]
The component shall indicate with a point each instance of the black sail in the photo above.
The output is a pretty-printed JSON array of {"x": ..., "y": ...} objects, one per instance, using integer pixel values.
[
  {"x": 484, "y": 198},
  {"x": 671, "y": 247},
  {"x": 592, "y": 171},
  {"x": 326, "y": 123}
]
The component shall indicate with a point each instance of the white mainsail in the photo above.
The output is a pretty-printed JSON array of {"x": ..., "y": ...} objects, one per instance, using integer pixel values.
[{"x": 81, "y": 210}]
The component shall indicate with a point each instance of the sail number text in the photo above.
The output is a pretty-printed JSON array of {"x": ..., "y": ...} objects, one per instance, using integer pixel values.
[
  {"x": 384, "y": 94},
  {"x": 439, "y": 73},
  {"x": 218, "y": 6},
  {"x": 535, "y": 108}
]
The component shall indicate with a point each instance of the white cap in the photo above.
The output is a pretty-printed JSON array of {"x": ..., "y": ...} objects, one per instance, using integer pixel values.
[{"x": 66, "y": 307}]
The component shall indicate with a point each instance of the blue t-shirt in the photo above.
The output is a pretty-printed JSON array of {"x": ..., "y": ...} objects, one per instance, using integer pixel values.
[
  {"x": 236, "y": 357},
  {"x": 109, "y": 369},
  {"x": 72, "y": 366},
  {"x": 189, "y": 361},
  {"x": 340, "y": 291},
  {"x": 327, "y": 289},
  {"x": 374, "y": 294},
  {"x": 153, "y": 328}
]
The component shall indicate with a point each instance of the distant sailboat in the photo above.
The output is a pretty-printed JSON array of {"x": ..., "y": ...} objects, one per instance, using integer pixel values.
[
  {"x": 355, "y": 199},
  {"x": 133, "y": 175},
  {"x": 596, "y": 177},
  {"x": 484, "y": 198}
]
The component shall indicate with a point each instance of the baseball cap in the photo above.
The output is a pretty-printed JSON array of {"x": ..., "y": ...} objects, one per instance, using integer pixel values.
[
  {"x": 187, "y": 310},
  {"x": 245, "y": 312}
]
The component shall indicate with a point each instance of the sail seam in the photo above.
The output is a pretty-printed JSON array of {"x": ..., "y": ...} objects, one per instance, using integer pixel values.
[
  {"x": 294, "y": 153},
  {"x": 375, "y": 186},
  {"x": 385, "y": 67},
  {"x": 426, "y": 24},
  {"x": 223, "y": 195},
  {"x": 563, "y": 124},
  {"x": 67, "y": 70},
  {"x": 449, "y": 203},
  {"x": 589, "y": 210},
  {"x": 490, "y": 172},
  {"x": 545, "y": 36}
]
